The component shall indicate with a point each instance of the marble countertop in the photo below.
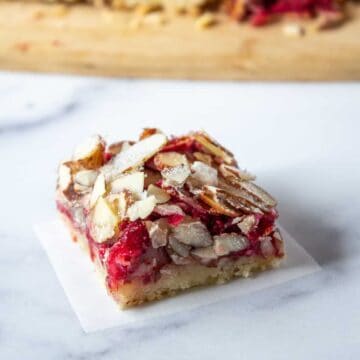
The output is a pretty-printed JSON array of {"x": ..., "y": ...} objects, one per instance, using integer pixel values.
[{"x": 302, "y": 141}]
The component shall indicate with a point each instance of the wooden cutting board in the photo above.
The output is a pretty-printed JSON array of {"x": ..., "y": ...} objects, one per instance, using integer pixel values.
[{"x": 46, "y": 38}]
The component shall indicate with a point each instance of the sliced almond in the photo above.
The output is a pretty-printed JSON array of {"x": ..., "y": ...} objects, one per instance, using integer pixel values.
[
  {"x": 214, "y": 147},
  {"x": 168, "y": 210},
  {"x": 247, "y": 224},
  {"x": 161, "y": 195},
  {"x": 104, "y": 221},
  {"x": 258, "y": 193},
  {"x": 266, "y": 247},
  {"x": 121, "y": 202},
  {"x": 205, "y": 255},
  {"x": 118, "y": 147},
  {"x": 231, "y": 172},
  {"x": 98, "y": 190},
  {"x": 209, "y": 195},
  {"x": 141, "y": 209},
  {"x": 148, "y": 132},
  {"x": 133, "y": 182},
  {"x": 84, "y": 180},
  {"x": 64, "y": 177},
  {"x": 193, "y": 233},
  {"x": 180, "y": 248},
  {"x": 204, "y": 173},
  {"x": 90, "y": 153},
  {"x": 176, "y": 176},
  {"x": 205, "y": 158},
  {"x": 169, "y": 159},
  {"x": 137, "y": 154},
  {"x": 243, "y": 197},
  {"x": 225, "y": 244},
  {"x": 158, "y": 232},
  {"x": 278, "y": 242}
]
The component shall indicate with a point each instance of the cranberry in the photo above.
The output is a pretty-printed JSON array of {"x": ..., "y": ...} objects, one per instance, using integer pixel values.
[{"x": 124, "y": 255}]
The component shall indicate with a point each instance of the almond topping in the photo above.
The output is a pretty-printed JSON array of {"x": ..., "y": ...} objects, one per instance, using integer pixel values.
[
  {"x": 98, "y": 190},
  {"x": 169, "y": 209},
  {"x": 205, "y": 158},
  {"x": 133, "y": 182},
  {"x": 177, "y": 175},
  {"x": 214, "y": 147},
  {"x": 161, "y": 195},
  {"x": 84, "y": 180},
  {"x": 141, "y": 209},
  {"x": 158, "y": 232},
  {"x": 169, "y": 159},
  {"x": 193, "y": 233},
  {"x": 64, "y": 177},
  {"x": 266, "y": 246},
  {"x": 225, "y": 244},
  {"x": 104, "y": 221},
  {"x": 210, "y": 196},
  {"x": 204, "y": 174},
  {"x": 138, "y": 153},
  {"x": 232, "y": 172},
  {"x": 180, "y": 248},
  {"x": 90, "y": 154}
]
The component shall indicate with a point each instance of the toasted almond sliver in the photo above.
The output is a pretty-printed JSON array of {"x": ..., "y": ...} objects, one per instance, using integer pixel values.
[
  {"x": 141, "y": 209},
  {"x": 214, "y": 147},
  {"x": 104, "y": 221},
  {"x": 138, "y": 153},
  {"x": 205, "y": 254},
  {"x": 161, "y": 195},
  {"x": 225, "y": 244},
  {"x": 210, "y": 197},
  {"x": 180, "y": 248},
  {"x": 64, "y": 177},
  {"x": 233, "y": 172},
  {"x": 85, "y": 177},
  {"x": 98, "y": 190},
  {"x": 193, "y": 233},
  {"x": 133, "y": 182},
  {"x": 169, "y": 159},
  {"x": 88, "y": 147},
  {"x": 204, "y": 173},
  {"x": 177, "y": 175}
]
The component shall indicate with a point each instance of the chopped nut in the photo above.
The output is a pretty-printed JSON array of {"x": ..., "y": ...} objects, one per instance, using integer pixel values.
[
  {"x": 98, "y": 190},
  {"x": 138, "y": 153},
  {"x": 210, "y": 196},
  {"x": 133, "y": 182},
  {"x": 90, "y": 153},
  {"x": 214, "y": 147},
  {"x": 158, "y": 232},
  {"x": 104, "y": 221},
  {"x": 148, "y": 132},
  {"x": 193, "y": 233},
  {"x": 225, "y": 244},
  {"x": 64, "y": 177},
  {"x": 205, "y": 21},
  {"x": 205, "y": 158},
  {"x": 204, "y": 174},
  {"x": 161, "y": 195},
  {"x": 235, "y": 174},
  {"x": 141, "y": 209},
  {"x": 118, "y": 147},
  {"x": 85, "y": 179},
  {"x": 180, "y": 248},
  {"x": 168, "y": 209},
  {"x": 177, "y": 175},
  {"x": 169, "y": 159}
]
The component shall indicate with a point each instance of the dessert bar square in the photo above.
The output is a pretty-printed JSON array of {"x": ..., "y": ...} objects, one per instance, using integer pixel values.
[{"x": 164, "y": 214}]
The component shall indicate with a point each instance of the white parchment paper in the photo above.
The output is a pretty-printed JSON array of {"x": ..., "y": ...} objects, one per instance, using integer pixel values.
[{"x": 96, "y": 310}]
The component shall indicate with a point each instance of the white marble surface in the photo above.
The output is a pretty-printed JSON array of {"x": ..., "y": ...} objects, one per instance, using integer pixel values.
[{"x": 302, "y": 141}]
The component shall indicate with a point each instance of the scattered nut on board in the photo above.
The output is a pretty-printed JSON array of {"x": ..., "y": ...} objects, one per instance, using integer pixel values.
[
  {"x": 205, "y": 20},
  {"x": 293, "y": 30}
]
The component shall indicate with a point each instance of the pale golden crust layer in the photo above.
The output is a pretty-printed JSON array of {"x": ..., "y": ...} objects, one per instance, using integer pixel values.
[{"x": 177, "y": 278}]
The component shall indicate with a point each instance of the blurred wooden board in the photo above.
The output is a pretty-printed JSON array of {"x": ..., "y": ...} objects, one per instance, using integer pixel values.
[{"x": 39, "y": 37}]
